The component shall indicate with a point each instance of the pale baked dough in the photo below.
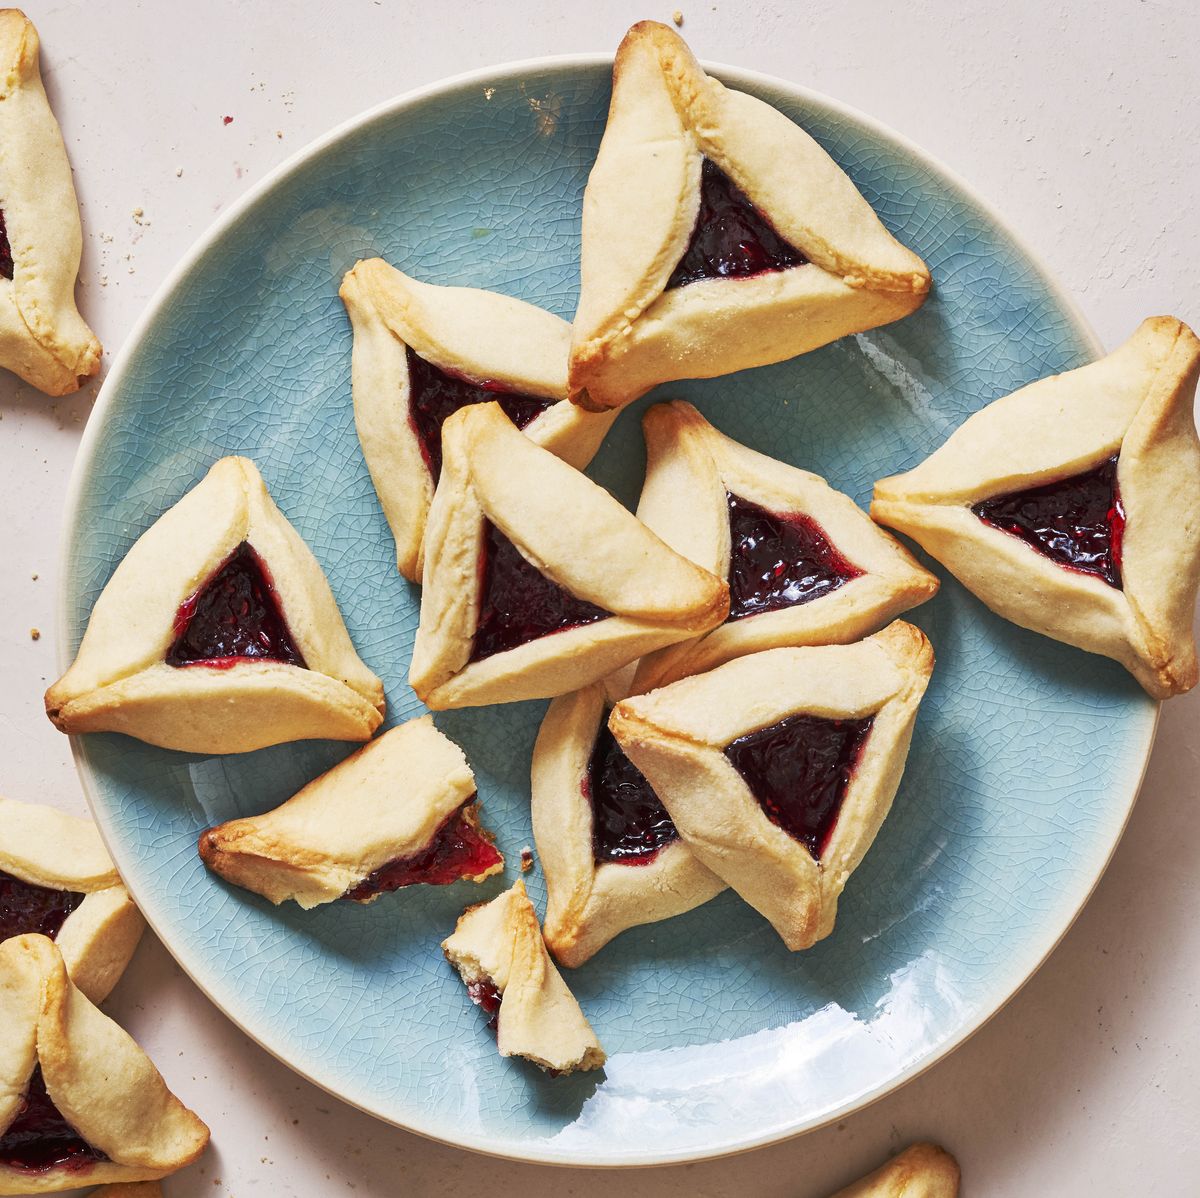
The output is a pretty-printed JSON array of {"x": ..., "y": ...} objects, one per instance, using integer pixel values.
[
  {"x": 639, "y": 209},
  {"x": 42, "y": 336},
  {"x": 120, "y": 681},
  {"x": 690, "y": 471},
  {"x": 588, "y": 903},
  {"x": 920, "y": 1171},
  {"x": 677, "y": 736},
  {"x": 98, "y": 1078},
  {"x": 46, "y": 847},
  {"x": 578, "y": 536},
  {"x": 479, "y": 334},
  {"x": 384, "y": 802},
  {"x": 1137, "y": 402},
  {"x": 539, "y": 1019}
]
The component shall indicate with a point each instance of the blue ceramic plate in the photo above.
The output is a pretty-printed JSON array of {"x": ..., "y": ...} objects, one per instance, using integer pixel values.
[{"x": 1027, "y": 754}]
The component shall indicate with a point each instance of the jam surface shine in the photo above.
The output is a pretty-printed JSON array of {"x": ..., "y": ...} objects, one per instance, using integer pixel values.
[
  {"x": 459, "y": 849},
  {"x": 235, "y": 616},
  {"x": 518, "y": 603},
  {"x": 798, "y": 771},
  {"x": 731, "y": 238},
  {"x": 6, "y": 258},
  {"x": 25, "y": 907},
  {"x": 1077, "y": 522},
  {"x": 40, "y": 1139},
  {"x": 484, "y": 993},
  {"x": 435, "y": 395},
  {"x": 779, "y": 560},
  {"x": 629, "y": 823}
]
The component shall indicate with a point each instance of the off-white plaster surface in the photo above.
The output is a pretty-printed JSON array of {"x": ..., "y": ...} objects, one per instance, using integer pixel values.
[{"x": 1075, "y": 119}]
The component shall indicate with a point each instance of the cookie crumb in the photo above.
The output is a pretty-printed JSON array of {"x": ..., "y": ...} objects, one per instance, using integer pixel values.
[
  {"x": 279, "y": 134},
  {"x": 526, "y": 859},
  {"x": 179, "y": 172},
  {"x": 677, "y": 17},
  {"x": 35, "y": 634},
  {"x": 34, "y": 577}
]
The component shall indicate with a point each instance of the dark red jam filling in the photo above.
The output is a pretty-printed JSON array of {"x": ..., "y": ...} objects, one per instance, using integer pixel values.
[
  {"x": 629, "y": 823},
  {"x": 779, "y": 560},
  {"x": 40, "y": 1139},
  {"x": 435, "y": 395},
  {"x": 732, "y": 239},
  {"x": 518, "y": 603},
  {"x": 798, "y": 770},
  {"x": 233, "y": 617},
  {"x": 486, "y": 997},
  {"x": 459, "y": 849},
  {"x": 6, "y": 259},
  {"x": 1077, "y": 522},
  {"x": 25, "y": 907}
]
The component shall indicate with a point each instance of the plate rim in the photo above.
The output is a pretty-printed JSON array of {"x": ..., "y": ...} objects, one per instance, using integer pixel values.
[{"x": 85, "y": 459}]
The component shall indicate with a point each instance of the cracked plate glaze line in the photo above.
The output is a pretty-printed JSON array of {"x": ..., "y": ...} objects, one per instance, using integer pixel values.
[{"x": 1027, "y": 755}]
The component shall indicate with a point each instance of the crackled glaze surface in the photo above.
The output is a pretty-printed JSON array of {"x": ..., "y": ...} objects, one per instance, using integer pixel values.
[{"x": 1023, "y": 763}]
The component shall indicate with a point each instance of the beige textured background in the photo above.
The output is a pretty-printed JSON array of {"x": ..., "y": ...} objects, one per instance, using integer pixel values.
[{"x": 1075, "y": 119}]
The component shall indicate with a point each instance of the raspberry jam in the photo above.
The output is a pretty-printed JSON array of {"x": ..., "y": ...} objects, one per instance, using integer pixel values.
[
  {"x": 233, "y": 617},
  {"x": 1077, "y": 522},
  {"x": 732, "y": 239},
  {"x": 435, "y": 395},
  {"x": 778, "y": 560},
  {"x": 40, "y": 1139},
  {"x": 25, "y": 907},
  {"x": 518, "y": 603},
  {"x": 798, "y": 770},
  {"x": 6, "y": 258},
  {"x": 460, "y": 848},
  {"x": 629, "y": 823},
  {"x": 484, "y": 994}
]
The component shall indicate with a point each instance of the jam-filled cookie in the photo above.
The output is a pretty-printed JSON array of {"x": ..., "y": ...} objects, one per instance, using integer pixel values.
[
  {"x": 42, "y": 336},
  {"x": 400, "y": 811},
  {"x": 421, "y": 352},
  {"x": 218, "y": 633},
  {"x": 806, "y": 566},
  {"x": 57, "y": 880},
  {"x": 80, "y": 1103},
  {"x": 778, "y": 769},
  {"x": 537, "y": 581},
  {"x": 717, "y": 235},
  {"x": 1072, "y": 506},
  {"x": 499, "y": 953}
]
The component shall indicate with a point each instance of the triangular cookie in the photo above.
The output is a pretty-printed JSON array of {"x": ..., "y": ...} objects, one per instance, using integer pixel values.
[
  {"x": 498, "y": 951},
  {"x": 80, "y": 1103},
  {"x": 42, "y": 336},
  {"x": 805, "y": 564},
  {"x": 422, "y": 352},
  {"x": 779, "y": 768},
  {"x": 218, "y": 633},
  {"x": 537, "y": 581},
  {"x": 57, "y": 880},
  {"x": 1072, "y": 506},
  {"x": 921, "y": 1171},
  {"x": 717, "y": 235},
  {"x": 611, "y": 856},
  {"x": 399, "y": 812}
]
